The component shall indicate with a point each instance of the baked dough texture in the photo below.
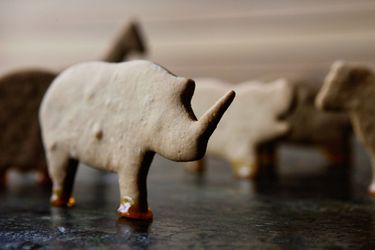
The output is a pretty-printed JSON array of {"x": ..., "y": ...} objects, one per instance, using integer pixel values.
[{"x": 115, "y": 117}]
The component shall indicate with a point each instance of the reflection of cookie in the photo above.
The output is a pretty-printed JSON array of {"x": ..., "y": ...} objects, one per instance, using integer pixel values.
[
  {"x": 137, "y": 108},
  {"x": 20, "y": 95},
  {"x": 252, "y": 120},
  {"x": 350, "y": 88}
]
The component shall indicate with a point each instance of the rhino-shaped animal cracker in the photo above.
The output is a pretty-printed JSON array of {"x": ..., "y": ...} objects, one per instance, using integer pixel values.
[
  {"x": 252, "y": 119},
  {"x": 21, "y": 93},
  {"x": 351, "y": 88},
  {"x": 115, "y": 117}
]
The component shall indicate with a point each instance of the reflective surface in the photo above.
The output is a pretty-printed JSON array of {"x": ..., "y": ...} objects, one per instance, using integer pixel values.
[{"x": 305, "y": 205}]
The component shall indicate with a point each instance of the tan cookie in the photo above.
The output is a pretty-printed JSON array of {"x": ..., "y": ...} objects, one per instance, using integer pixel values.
[
  {"x": 20, "y": 142},
  {"x": 115, "y": 117},
  {"x": 310, "y": 126},
  {"x": 252, "y": 119},
  {"x": 128, "y": 41},
  {"x": 350, "y": 88},
  {"x": 21, "y": 93}
]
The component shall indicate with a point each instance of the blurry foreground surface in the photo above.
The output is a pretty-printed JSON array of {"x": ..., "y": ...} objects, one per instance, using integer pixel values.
[{"x": 308, "y": 205}]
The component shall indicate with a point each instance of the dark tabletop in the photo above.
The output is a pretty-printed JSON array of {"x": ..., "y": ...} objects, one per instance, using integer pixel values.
[{"x": 304, "y": 205}]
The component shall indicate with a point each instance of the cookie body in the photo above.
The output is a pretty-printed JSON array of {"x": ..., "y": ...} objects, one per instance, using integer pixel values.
[
  {"x": 252, "y": 119},
  {"x": 21, "y": 93},
  {"x": 115, "y": 117},
  {"x": 350, "y": 88}
]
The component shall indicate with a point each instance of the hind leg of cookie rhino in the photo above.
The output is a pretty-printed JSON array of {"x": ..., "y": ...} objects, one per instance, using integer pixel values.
[
  {"x": 133, "y": 187},
  {"x": 197, "y": 167},
  {"x": 62, "y": 171},
  {"x": 43, "y": 178},
  {"x": 339, "y": 153}
]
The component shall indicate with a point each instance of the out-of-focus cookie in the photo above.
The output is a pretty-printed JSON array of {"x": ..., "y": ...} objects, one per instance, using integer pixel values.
[
  {"x": 350, "y": 88},
  {"x": 252, "y": 119}
]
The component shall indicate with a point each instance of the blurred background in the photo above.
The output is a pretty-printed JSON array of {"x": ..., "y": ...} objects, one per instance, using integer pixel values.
[{"x": 232, "y": 40}]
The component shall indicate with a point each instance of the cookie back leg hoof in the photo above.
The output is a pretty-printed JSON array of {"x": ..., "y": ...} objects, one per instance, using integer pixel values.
[{"x": 62, "y": 174}]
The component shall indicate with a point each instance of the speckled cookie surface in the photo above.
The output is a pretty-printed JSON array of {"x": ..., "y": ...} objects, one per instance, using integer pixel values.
[{"x": 115, "y": 117}]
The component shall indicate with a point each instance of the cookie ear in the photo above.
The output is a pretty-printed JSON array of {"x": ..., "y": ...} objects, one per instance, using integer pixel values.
[{"x": 187, "y": 89}]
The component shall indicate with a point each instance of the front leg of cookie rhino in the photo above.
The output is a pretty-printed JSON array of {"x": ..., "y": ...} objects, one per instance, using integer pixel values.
[{"x": 133, "y": 187}]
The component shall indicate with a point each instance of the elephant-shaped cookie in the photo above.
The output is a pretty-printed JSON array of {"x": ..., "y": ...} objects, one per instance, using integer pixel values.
[
  {"x": 350, "y": 88},
  {"x": 21, "y": 93},
  {"x": 253, "y": 119},
  {"x": 115, "y": 117}
]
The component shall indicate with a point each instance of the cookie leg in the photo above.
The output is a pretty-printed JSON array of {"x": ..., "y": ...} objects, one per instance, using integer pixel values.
[
  {"x": 245, "y": 169},
  {"x": 195, "y": 166},
  {"x": 245, "y": 165},
  {"x": 44, "y": 179},
  {"x": 133, "y": 187},
  {"x": 3, "y": 179},
  {"x": 339, "y": 153},
  {"x": 266, "y": 155},
  {"x": 267, "y": 160},
  {"x": 372, "y": 185},
  {"x": 62, "y": 171}
]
